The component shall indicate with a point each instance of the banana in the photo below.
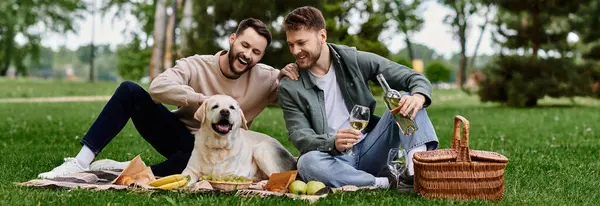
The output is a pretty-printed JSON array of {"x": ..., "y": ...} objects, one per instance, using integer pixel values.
[
  {"x": 174, "y": 185},
  {"x": 168, "y": 179}
]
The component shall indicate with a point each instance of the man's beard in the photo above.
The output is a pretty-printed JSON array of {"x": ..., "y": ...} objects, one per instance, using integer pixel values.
[
  {"x": 234, "y": 57},
  {"x": 312, "y": 58}
]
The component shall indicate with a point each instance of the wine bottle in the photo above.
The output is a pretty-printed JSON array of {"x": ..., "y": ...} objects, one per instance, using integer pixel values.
[{"x": 391, "y": 98}]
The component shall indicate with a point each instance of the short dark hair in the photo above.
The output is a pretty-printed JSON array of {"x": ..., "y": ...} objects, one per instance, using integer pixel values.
[
  {"x": 306, "y": 17},
  {"x": 257, "y": 25}
]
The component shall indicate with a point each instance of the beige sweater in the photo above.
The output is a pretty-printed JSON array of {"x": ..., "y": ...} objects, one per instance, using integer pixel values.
[{"x": 196, "y": 78}]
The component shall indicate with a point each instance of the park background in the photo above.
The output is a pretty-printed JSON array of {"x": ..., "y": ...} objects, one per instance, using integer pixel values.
[{"x": 525, "y": 73}]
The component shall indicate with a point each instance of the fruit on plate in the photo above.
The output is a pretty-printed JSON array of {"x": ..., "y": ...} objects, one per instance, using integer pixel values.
[
  {"x": 228, "y": 182},
  {"x": 170, "y": 182},
  {"x": 226, "y": 178},
  {"x": 298, "y": 187},
  {"x": 313, "y": 187}
]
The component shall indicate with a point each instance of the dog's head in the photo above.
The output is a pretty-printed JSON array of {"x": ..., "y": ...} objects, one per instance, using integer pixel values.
[{"x": 222, "y": 114}]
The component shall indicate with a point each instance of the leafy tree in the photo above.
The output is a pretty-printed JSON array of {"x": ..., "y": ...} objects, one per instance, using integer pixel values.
[
  {"x": 21, "y": 17},
  {"x": 215, "y": 20},
  {"x": 535, "y": 25},
  {"x": 132, "y": 63},
  {"x": 407, "y": 19},
  {"x": 65, "y": 56},
  {"x": 84, "y": 52},
  {"x": 143, "y": 11},
  {"x": 587, "y": 26},
  {"x": 400, "y": 59},
  {"x": 459, "y": 20},
  {"x": 437, "y": 72},
  {"x": 520, "y": 81},
  {"x": 420, "y": 51},
  {"x": 43, "y": 65},
  {"x": 485, "y": 12}
]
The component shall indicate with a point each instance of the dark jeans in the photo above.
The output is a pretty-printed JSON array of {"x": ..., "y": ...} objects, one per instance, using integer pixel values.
[{"x": 157, "y": 125}]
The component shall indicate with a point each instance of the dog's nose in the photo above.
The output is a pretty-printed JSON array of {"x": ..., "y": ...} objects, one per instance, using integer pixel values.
[{"x": 224, "y": 112}]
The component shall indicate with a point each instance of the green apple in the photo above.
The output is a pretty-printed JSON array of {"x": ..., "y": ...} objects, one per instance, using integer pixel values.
[
  {"x": 298, "y": 187},
  {"x": 313, "y": 187}
]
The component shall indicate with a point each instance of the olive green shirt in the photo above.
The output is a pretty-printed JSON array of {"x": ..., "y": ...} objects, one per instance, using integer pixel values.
[{"x": 303, "y": 102}]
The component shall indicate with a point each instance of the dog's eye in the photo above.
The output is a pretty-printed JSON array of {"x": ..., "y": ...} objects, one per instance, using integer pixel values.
[
  {"x": 214, "y": 107},
  {"x": 231, "y": 107}
]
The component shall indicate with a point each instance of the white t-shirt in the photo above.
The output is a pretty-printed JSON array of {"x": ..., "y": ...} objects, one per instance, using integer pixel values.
[{"x": 338, "y": 116}]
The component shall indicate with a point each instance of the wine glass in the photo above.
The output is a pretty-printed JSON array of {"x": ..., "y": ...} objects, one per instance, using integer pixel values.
[{"x": 359, "y": 119}]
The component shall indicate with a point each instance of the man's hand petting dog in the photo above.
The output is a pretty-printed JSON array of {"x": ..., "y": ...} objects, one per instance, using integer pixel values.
[{"x": 345, "y": 139}]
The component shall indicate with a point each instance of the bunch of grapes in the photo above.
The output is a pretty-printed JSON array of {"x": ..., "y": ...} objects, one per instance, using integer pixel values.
[{"x": 225, "y": 178}]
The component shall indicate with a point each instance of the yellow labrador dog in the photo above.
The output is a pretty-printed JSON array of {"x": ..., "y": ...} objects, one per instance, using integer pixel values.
[{"x": 224, "y": 145}]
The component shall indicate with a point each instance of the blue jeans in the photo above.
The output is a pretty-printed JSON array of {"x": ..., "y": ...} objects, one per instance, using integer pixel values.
[
  {"x": 155, "y": 123},
  {"x": 370, "y": 155}
]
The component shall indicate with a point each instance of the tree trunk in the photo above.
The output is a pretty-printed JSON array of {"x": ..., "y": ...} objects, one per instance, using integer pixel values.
[
  {"x": 483, "y": 26},
  {"x": 535, "y": 15},
  {"x": 160, "y": 21},
  {"x": 531, "y": 102},
  {"x": 409, "y": 47},
  {"x": 8, "y": 46},
  {"x": 186, "y": 25},
  {"x": 92, "y": 53},
  {"x": 462, "y": 67},
  {"x": 168, "y": 58}
]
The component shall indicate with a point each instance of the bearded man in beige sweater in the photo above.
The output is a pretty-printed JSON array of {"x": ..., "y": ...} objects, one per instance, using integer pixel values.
[{"x": 236, "y": 73}]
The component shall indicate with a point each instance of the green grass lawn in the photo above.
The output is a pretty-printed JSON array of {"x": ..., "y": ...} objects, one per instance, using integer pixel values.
[
  {"x": 554, "y": 150},
  {"x": 22, "y": 88}
]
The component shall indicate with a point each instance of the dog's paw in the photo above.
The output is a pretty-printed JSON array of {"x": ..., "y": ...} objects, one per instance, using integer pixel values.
[
  {"x": 193, "y": 177},
  {"x": 193, "y": 180}
]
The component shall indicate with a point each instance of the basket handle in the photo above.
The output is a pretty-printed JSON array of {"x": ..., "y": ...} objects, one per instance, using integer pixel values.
[{"x": 461, "y": 144}]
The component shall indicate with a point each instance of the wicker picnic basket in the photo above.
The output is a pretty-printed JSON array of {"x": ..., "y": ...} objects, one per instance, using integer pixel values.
[{"x": 459, "y": 172}]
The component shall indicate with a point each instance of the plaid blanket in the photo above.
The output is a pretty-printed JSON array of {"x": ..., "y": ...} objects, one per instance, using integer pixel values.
[{"x": 102, "y": 180}]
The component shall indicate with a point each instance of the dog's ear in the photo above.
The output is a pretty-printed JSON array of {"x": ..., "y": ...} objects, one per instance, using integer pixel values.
[
  {"x": 244, "y": 121},
  {"x": 200, "y": 114}
]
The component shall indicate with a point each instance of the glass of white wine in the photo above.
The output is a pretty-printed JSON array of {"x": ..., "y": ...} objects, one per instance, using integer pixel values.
[{"x": 359, "y": 119}]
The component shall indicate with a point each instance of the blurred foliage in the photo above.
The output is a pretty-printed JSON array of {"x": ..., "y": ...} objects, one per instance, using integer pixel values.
[
  {"x": 31, "y": 19},
  {"x": 407, "y": 19},
  {"x": 520, "y": 26},
  {"x": 459, "y": 20},
  {"x": 215, "y": 20},
  {"x": 437, "y": 72},
  {"x": 520, "y": 81},
  {"x": 420, "y": 51},
  {"x": 536, "y": 25},
  {"x": 587, "y": 26},
  {"x": 54, "y": 64},
  {"x": 400, "y": 59},
  {"x": 531, "y": 26},
  {"x": 143, "y": 11},
  {"x": 133, "y": 60}
]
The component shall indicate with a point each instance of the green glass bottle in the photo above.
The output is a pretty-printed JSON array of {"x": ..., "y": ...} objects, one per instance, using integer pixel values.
[{"x": 391, "y": 98}]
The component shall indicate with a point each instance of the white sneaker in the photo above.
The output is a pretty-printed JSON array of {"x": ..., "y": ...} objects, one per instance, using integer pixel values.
[
  {"x": 70, "y": 166},
  {"x": 108, "y": 164}
]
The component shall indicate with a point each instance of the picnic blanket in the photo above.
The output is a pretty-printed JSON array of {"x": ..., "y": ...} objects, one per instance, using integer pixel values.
[{"x": 105, "y": 180}]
